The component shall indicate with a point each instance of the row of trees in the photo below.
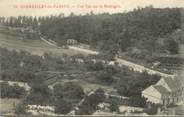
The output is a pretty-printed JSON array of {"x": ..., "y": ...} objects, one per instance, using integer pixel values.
[{"x": 21, "y": 21}]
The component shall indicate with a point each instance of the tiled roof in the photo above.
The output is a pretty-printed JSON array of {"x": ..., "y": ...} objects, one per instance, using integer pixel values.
[
  {"x": 161, "y": 89},
  {"x": 173, "y": 83},
  {"x": 180, "y": 79}
]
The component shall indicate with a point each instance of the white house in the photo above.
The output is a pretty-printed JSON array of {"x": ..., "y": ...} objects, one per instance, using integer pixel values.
[
  {"x": 71, "y": 42},
  {"x": 165, "y": 91},
  {"x": 155, "y": 94}
]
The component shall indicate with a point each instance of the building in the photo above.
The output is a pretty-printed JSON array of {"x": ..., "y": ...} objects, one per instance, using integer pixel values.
[
  {"x": 165, "y": 91},
  {"x": 84, "y": 46},
  {"x": 71, "y": 42},
  {"x": 155, "y": 94},
  {"x": 104, "y": 107}
]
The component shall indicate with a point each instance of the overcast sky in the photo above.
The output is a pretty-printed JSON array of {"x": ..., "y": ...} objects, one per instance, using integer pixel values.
[{"x": 7, "y": 6}]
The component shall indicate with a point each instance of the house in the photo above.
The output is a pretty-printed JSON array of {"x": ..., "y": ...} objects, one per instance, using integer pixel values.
[
  {"x": 128, "y": 109},
  {"x": 104, "y": 106},
  {"x": 165, "y": 91},
  {"x": 155, "y": 94},
  {"x": 84, "y": 46},
  {"x": 71, "y": 42},
  {"x": 41, "y": 110}
]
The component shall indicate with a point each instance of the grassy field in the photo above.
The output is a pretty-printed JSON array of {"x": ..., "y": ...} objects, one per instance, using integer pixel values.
[
  {"x": 8, "y": 105},
  {"x": 36, "y": 47}
]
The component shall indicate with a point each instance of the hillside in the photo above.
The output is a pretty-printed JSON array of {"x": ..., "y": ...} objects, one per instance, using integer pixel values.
[
  {"x": 139, "y": 29},
  {"x": 145, "y": 35},
  {"x": 36, "y": 47},
  {"x": 75, "y": 64}
]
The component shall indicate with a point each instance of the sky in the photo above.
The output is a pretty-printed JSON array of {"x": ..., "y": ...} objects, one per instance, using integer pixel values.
[{"x": 15, "y": 7}]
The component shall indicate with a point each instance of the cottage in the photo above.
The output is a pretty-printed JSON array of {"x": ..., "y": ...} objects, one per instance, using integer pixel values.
[{"x": 165, "y": 91}]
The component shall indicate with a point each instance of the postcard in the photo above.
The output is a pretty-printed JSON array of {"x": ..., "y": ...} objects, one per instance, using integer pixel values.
[{"x": 92, "y": 58}]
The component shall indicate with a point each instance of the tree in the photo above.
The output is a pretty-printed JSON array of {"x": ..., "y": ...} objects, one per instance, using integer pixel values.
[
  {"x": 85, "y": 109},
  {"x": 104, "y": 76},
  {"x": 62, "y": 106},
  {"x": 112, "y": 70},
  {"x": 133, "y": 84},
  {"x": 20, "y": 109},
  {"x": 137, "y": 101},
  {"x": 58, "y": 91},
  {"x": 90, "y": 102},
  {"x": 69, "y": 90},
  {"x": 40, "y": 94},
  {"x": 172, "y": 46},
  {"x": 114, "y": 105},
  {"x": 100, "y": 93}
]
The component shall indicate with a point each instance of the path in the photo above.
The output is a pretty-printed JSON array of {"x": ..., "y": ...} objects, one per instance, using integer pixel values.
[
  {"x": 122, "y": 62},
  {"x": 140, "y": 68}
]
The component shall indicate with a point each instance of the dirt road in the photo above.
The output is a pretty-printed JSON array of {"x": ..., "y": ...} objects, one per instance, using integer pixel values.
[{"x": 140, "y": 68}]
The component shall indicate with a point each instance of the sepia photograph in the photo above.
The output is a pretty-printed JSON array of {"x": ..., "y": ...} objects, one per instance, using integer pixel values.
[{"x": 91, "y": 58}]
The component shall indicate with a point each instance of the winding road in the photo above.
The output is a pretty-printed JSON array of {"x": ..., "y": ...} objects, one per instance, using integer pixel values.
[{"x": 121, "y": 62}]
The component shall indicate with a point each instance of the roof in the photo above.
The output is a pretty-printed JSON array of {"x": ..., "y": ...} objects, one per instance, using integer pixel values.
[
  {"x": 161, "y": 89},
  {"x": 180, "y": 79},
  {"x": 173, "y": 83}
]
